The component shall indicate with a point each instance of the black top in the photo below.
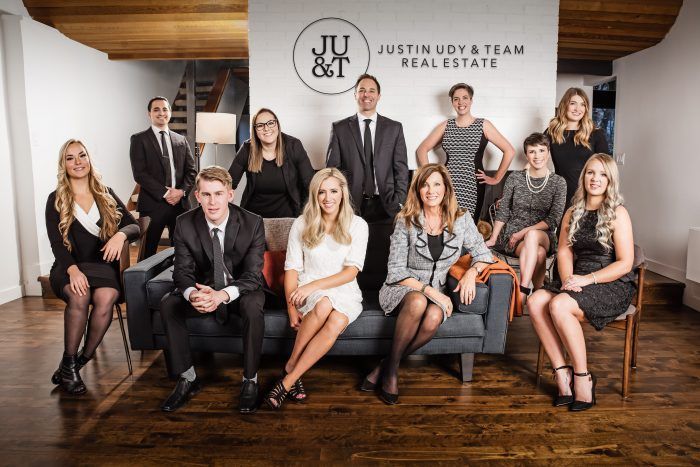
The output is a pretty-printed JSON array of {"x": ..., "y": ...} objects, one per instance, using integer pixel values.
[
  {"x": 85, "y": 247},
  {"x": 435, "y": 245},
  {"x": 296, "y": 170},
  {"x": 569, "y": 158},
  {"x": 270, "y": 198}
]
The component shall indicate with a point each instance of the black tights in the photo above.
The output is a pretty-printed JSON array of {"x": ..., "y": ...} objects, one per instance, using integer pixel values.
[
  {"x": 417, "y": 323},
  {"x": 76, "y": 315}
]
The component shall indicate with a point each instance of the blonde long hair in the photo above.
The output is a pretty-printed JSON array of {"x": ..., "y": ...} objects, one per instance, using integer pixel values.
[
  {"x": 314, "y": 225},
  {"x": 255, "y": 158},
  {"x": 65, "y": 202},
  {"x": 413, "y": 207},
  {"x": 557, "y": 125},
  {"x": 606, "y": 211}
]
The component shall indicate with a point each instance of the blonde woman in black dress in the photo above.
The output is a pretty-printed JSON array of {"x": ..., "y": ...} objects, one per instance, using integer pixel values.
[
  {"x": 596, "y": 252},
  {"x": 87, "y": 226}
]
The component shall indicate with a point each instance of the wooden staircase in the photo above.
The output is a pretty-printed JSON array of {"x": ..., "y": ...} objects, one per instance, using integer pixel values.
[{"x": 178, "y": 120}]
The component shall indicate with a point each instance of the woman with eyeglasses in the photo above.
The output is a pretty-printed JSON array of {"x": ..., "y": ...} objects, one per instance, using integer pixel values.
[{"x": 277, "y": 168}]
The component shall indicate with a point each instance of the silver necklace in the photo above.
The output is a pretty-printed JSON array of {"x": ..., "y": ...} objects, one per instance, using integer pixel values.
[
  {"x": 431, "y": 229},
  {"x": 531, "y": 186}
]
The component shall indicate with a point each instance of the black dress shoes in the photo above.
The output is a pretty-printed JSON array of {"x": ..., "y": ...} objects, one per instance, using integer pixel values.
[
  {"x": 248, "y": 402},
  {"x": 182, "y": 393}
]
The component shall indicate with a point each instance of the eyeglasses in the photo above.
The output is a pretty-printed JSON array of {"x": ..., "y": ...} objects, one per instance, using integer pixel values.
[{"x": 270, "y": 124}]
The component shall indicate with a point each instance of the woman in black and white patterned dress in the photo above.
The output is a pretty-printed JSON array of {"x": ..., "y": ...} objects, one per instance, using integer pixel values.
[{"x": 464, "y": 140}]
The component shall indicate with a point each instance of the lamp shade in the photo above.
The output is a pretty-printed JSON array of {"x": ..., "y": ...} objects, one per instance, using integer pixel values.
[{"x": 215, "y": 127}]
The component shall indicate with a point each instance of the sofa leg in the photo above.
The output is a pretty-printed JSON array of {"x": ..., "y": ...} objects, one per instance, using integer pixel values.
[{"x": 466, "y": 366}]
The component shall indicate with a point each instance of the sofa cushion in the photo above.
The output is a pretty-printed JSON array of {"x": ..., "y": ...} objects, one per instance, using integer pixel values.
[
  {"x": 157, "y": 287},
  {"x": 277, "y": 233},
  {"x": 273, "y": 270},
  {"x": 371, "y": 324}
]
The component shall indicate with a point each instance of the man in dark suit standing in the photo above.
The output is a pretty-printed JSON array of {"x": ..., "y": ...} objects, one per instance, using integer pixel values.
[
  {"x": 162, "y": 164},
  {"x": 371, "y": 151},
  {"x": 219, "y": 251}
]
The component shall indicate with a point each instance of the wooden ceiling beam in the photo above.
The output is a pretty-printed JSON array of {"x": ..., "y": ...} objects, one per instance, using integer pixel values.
[
  {"x": 650, "y": 7},
  {"x": 634, "y": 18},
  {"x": 181, "y": 54}
]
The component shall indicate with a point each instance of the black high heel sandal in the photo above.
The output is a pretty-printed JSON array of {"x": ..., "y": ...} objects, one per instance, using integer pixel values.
[
  {"x": 275, "y": 398},
  {"x": 369, "y": 386},
  {"x": 578, "y": 406},
  {"x": 560, "y": 400},
  {"x": 297, "y": 393}
]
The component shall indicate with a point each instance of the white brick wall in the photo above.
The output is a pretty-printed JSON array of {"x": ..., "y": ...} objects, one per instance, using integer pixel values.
[{"x": 518, "y": 96}]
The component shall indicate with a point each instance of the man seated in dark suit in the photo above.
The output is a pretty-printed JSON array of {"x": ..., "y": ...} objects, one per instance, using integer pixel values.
[
  {"x": 370, "y": 150},
  {"x": 218, "y": 269},
  {"x": 162, "y": 164}
]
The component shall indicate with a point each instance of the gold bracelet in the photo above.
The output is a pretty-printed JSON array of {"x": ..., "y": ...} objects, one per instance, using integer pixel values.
[{"x": 422, "y": 290}]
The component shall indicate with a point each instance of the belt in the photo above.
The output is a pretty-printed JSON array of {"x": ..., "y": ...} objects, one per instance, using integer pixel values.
[{"x": 364, "y": 196}]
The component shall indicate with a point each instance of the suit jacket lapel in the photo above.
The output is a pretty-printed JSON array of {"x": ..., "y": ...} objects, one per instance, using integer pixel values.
[
  {"x": 448, "y": 239},
  {"x": 232, "y": 227},
  {"x": 203, "y": 233},
  {"x": 422, "y": 240},
  {"x": 378, "y": 135},
  {"x": 359, "y": 141},
  {"x": 177, "y": 151}
]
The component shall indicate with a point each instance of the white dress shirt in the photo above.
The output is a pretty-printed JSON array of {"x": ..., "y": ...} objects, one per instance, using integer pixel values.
[
  {"x": 372, "y": 129},
  {"x": 169, "y": 143},
  {"x": 231, "y": 290}
]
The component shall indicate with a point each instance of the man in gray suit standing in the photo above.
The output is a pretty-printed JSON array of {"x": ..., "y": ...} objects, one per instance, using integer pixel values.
[{"x": 371, "y": 151}]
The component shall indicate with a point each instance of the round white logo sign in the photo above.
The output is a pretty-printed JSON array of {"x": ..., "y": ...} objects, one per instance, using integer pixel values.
[{"x": 330, "y": 54}]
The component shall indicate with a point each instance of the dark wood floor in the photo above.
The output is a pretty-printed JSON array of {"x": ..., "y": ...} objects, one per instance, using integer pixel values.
[{"x": 501, "y": 417}]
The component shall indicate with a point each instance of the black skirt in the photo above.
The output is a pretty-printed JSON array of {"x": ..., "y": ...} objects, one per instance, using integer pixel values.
[{"x": 98, "y": 275}]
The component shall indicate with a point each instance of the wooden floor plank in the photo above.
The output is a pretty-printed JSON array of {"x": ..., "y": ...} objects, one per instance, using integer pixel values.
[{"x": 502, "y": 417}]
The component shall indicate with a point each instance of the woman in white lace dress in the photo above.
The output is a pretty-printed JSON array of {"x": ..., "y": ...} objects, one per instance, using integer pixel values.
[{"x": 326, "y": 250}]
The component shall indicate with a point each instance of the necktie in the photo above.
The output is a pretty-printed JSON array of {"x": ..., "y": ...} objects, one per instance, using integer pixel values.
[
  {"x": 219, "y": 279},
  {"x": 369, "y": 160},
  {"x": 166, "y": 156}
]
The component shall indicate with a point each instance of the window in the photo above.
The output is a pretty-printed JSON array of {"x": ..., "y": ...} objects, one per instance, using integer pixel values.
[{"x": 604, "y": 110}]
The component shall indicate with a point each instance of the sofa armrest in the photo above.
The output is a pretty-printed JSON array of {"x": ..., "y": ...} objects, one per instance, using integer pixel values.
[
  {"x": 497, "y": 316},
  {"x": 138, "y": 314}
]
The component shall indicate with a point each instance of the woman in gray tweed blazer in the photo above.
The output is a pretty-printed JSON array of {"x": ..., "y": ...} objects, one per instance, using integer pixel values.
[{"x": 430, "y": 234}]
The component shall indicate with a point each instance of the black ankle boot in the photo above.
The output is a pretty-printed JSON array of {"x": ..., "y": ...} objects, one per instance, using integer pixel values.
[
  {"x": 70, "y": 377},
  {"x": 82, "y": 360}
]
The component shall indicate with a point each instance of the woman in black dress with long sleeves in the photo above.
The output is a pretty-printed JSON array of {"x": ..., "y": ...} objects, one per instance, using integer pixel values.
[
  {"x": 574, "y": 138},
  {"x": 277, "y": 168},
  {"x": 87, "y": 226}
]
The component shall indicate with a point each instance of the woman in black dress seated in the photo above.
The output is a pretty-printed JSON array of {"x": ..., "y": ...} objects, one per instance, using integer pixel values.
[
  {"x": 87, "y": 226},
  {"x": 595, "y": 256},
  {"x": 529, "y": 214},
  {"x": 574, "y": 138},
  {"x": 277, "y": 168}
]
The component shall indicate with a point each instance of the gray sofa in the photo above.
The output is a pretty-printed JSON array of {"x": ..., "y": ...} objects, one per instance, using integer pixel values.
[{"x": 478, "y": 328}]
